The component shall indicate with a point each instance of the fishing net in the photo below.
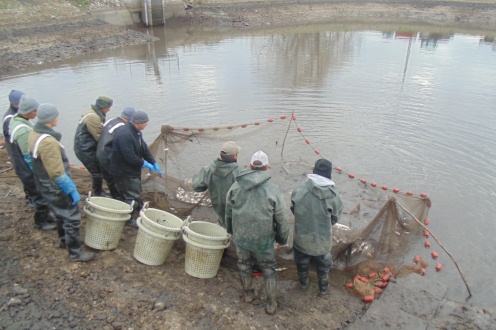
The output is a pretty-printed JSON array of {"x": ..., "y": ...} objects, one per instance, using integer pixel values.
[{"x": 373, "y": 228}]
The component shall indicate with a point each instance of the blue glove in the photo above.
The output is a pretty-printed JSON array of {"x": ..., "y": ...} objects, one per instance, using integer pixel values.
[
  {"x": 27, "y": 159},
  {"x": 147, "y": 165},
  {"x": 68, "y": 186},
  {"x": 157, "y": 168}
]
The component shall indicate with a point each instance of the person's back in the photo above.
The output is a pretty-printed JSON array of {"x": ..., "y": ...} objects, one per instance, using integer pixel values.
[
  {"x": 14, "y": 100},
  {"x": 218, "y": 177}
]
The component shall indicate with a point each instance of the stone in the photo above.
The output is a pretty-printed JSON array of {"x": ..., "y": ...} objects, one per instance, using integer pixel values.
[
  {"x": 18, "y": 290},
  {"x": 159, "y": 306},
  {"x": 14, "y": 302}
]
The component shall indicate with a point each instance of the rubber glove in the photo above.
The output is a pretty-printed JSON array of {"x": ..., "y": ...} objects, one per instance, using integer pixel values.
[
  {"x": 147, "y": 165},
  {"x": 27, "y": 159},
  {"x": 157, "y": 168},
  {"x": 68, "y": 186}
]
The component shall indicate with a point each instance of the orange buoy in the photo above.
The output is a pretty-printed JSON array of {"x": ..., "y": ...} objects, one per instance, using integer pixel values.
[
  {"x": 372, "y": 275},
  {"x": 378, "y": 290},
  {"x": 201, "y": 129},
  {"x": 299, "y": 129},
  {"x": 416, "y": 259},
  {"x": 423, "y": 195},
  {"x": 373, "y": 184},
  {"x": 387, "y": 270},
  {"x": 351, "y": 175},
  {"x": 349, "y": 285},
  {"x": 439, "y": 267},
  {"x": 384, "y": 187},
  {"x": 409, "y": 193},
  {"x": 368, "y": 299},
  {"x": 357, "y": 277},
  {"x": 243, "y": 126},
  {"x": 427, "y": 244},
  {"x": 317, "y": 151},
  {"x": 396, "y": 190},
  {"x": 257, "y": 123},
  {"x": 82, "y": 167},
  {"x": 270, "y": 120},
  {"x": 426, "y": 234},
  {"x": 307, "y": 141},
  {"x": 378, "y": 284},
  {"x": 283, "y": 117},
  {"x": 423, "y": 271},
  {"x": 434, "y": 255},
  {"x": 185, "y": 129},
  {"x": 71, "y": 164},
  {"x": 386, "y": 278},
  {"x": 339, "y": 169},
  {"x": 364, "y": 279},
  {"x": 215, "y": 128},
  {"x": 427, "y": 221},
  {"x": 229, "y": 127},
  {"x": 293, "y": 117},
  {"x": 363, "y": 181}
]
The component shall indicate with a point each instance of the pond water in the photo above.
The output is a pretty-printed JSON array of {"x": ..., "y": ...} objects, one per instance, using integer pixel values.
[{"x": 404, "y": 107}]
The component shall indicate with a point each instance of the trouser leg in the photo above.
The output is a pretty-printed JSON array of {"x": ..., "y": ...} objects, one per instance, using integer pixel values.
[
  {"x": 97, "y": 185},
  {"x": 324, "y": 264},
  {"x": 245, "y": 262},
  {"x": 267, "y": 261},
  {"x": 302, "y": 263},
  {"x": 114, "y": 192},
  {"x": 130, "y": 191}
]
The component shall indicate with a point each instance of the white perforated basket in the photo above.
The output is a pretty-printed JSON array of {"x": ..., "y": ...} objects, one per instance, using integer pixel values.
[
  {"x": 151, "y": 248},
  {"x": 202, "y": 261},
  {"x": 206, "y": 233},
  {"x": 103, "y": 233},
  {"x": 107, "y": 207},
  {"x": 161, "y": 222}
]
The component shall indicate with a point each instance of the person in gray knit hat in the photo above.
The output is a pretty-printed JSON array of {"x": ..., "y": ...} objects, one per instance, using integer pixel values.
[
  {"x": 14, "y": 100},
  {"x": 130, "y": 154},
  {"x": 53, "y": 179},
  {"x": 104, "y": 147},
  {"x": 317, "y": 207},
  {"x": 20, "y": 127},
  {"x": 86, "y": 141}
]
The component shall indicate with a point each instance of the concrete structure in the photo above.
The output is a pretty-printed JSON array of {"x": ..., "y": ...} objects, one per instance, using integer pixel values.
[{"x": 155, "y": 12}]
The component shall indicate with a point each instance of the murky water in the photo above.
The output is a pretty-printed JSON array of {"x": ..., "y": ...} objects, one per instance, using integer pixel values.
[{"x": 407, "y": 109}]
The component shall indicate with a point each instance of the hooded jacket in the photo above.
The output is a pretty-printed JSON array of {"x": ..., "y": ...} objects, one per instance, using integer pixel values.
[
  {"x": 104, "y": 147},
  {"x": 316, "y": 207},
  {"x": 256, "y": 212},
  {"x": 86, "y": 138},
  {"x": 217, "y": 177},
  {"x": 20, "y": 128}
]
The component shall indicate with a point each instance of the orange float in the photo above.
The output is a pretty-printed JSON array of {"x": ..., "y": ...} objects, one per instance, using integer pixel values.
[
  {"x": 396, "y": 190},
  {"x": 349, "y": 285},
  {"x": 270, "y": 120},
  {"x": 434, "y": 255},
  {"x": 384, "y": 187},
  {"x": 201, "y": 129},
  {"x": 283, "y": 117},
  {"x": 257, "y": 123},
  {"x": 423, "y": 271},
  {"x": 363, "y": 181},
  {"x": 416, "y": 259},
  {"x": 293, "y": 117},
  {"x": 373, "y": 184},
  {"x": 426, "y": 234},
  {"x": 427, "y": 221},
  {"x": 439, "y": 267},
  {"x": 423, "y": 195},
  {"x": 307, "y": 141},
  {"x": 299, "y": 129},
  {"x": 351, "y": 175},
  {"x": 427, "y": 244},
  {"x": 185, "y": 129},
  {"x": 339, "y": 169},
  {"x": 244, "y": 126},
  {"x": 368, "y": 299},
  {"x": 409, "y": 193},
  {"x": 317, "y": 151}
]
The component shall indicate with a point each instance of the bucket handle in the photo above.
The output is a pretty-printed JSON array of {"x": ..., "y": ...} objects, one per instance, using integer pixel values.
[
  {"x": 145, "y": 206},
  {"x": 89, "y": 196},
  {"x": 132, "y": 205},
  {"x": 186, "y": 222}
]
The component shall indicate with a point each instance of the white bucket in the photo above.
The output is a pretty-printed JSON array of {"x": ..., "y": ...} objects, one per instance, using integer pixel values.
[
  {"x": 107, "y": 207},
  {"x": 161, "y": 222},
  {"x": 202, "y": 261},
  {"x": 206, "y": 233},
  {"x": 103, "y": 233}
]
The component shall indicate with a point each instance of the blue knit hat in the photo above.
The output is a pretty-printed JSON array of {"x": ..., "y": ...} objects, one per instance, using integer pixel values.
[
  {"x": 140, "y": 117},
  {"x": 46, "y": 113},
  {"x": 15, "y": 96},
  {"x": 127, "y": 113}
]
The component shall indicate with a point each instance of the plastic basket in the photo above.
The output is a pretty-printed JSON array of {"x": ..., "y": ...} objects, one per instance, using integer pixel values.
[
  {"x": 206, "y": 233},
  {"x": 103, "y": 233},
  {"x": 202, "y": 261},
  {"x": 151, "y": 248},
  {"x": 107, "y": 207},
  {"x": 161, "y": 222}
]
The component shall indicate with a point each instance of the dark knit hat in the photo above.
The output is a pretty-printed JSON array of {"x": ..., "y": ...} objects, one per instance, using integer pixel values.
[
  {"x": 103, "y": 102},
  {"x": 27, "y": 105},
  {"x": 15, "y": 96},
  {"x": 323, "y": 167},
  {"x": 140, "y": 117},
  {"x": 127, "y": 113},
  {"x": 46, "y": 113}
]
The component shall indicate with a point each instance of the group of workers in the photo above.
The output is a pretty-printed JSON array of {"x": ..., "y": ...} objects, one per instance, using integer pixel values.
[
  {"x": 254, "y": 211},
  {"x": 114, "y": 150},
  {"x": 248, "y": 205}
]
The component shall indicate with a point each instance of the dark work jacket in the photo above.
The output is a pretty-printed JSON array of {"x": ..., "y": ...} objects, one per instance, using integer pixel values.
[
  {"x": 104, "y": 147},
  {"x": 6, "y": 132},
  {"x": 128, "y": 151},
  {"x": 85, "y": 144}
]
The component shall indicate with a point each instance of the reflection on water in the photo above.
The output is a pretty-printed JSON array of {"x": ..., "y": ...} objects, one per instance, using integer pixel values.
[{"x": 403, "y": 107}]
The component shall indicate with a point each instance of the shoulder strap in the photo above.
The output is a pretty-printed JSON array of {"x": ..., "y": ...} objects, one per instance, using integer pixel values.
[
  {"x": 114, "y": 127},
  {"x": 7, "y": 117},
  {"x": 15, "y": 130},
  {"x": 89, "y": 114},
  {"x": 37, "y": 144}
]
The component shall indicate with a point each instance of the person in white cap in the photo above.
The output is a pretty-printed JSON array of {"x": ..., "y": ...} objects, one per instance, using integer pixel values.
[
  {"x": 218, "y": 177},
  {"x": 19, "y": 128},
  {"x": 104, "y": 147},
  {"x": 53, "y": 178},
  {"x": 257, "y": 217}
]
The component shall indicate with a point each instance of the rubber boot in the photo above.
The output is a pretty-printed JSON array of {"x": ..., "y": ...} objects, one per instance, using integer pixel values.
[
  {"x": 98, "y": 188},
  {"x": 271, "y": 287},
  {"x": 40, "y": 221},
  {"x": 75, "y": 251},
  {"x": 246, "y": 281},
  {"x": 323, "y": 279},
  {"x": 303, "y": 280},
  {"x": 132, "y": 223}
]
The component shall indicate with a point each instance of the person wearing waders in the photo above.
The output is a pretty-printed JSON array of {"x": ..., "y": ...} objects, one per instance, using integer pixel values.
[
  {"x": 19, "y": 128},
  {"x": 256, "y": 216},
  {"x": 104, "y": 147},
  {"x": 86, "y": 140},
  {"x": 53, "y": 179},
  {"x": 218, "y": 177},
  {"x": 14, "y": 100},
  {"x": 317, "y": 207},
  {"x": 130, "y": 154}
]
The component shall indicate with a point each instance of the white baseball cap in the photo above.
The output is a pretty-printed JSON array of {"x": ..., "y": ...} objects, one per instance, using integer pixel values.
[{"x": 261, "y": 157}]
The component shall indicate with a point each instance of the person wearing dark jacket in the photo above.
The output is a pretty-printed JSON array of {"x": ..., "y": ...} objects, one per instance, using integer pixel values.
[
  {"x": 218, "y": 177},
  {"x": 130, "y": 154},
  {"x": 86, "y": 140},
  {"x": 19, "y": 128},
  {"x": 256, "y": 216},
  {"x": 53, "y": 179},
  {"x": 104, "y": 147},
  {"x": 317, "y": 207}
]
